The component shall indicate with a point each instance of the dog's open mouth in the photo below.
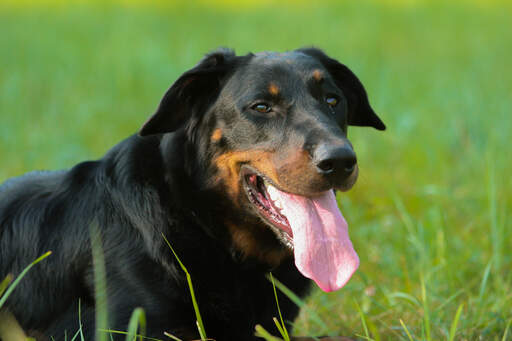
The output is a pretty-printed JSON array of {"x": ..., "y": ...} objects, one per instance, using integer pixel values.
[
  {"x": 263, "y": 196},
  {"x": 313, "y": 226}
]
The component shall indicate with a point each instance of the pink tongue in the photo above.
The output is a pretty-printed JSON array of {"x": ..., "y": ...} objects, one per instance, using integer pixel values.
[{"x": 323, "y": 250}]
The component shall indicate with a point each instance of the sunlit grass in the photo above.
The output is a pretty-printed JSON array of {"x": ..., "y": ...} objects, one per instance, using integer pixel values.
[{"x": 430, "y": 214}]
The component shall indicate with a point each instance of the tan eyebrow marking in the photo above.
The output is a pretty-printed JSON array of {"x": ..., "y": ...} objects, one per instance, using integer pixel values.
[
  {"x": 217, "y": 135},
  {"x": 318, "y": 75},
  {"x": 273, "y": 89}
]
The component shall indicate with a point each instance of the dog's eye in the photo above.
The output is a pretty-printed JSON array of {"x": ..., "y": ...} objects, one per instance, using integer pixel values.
[
  {"x": 332, "y": 101},
  {"x": 261, "y": 107}
]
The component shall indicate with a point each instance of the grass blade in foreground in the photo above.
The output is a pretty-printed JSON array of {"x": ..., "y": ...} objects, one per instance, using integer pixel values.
[
  {"x": 261, "y": 332},
  {"x": 112, "y": 331},
  {"x": 481, "y": 294},
  {"x": 406, "y": 330},
  {"x": 200, "y": 325},
  {"x": 20, "y": 276},
  {"x": 100, "y": 283},
  {"x": 426, "y": 311},
  {"x": 282, "y": 330},
  {"x": 80, "y": 330},
  {"x": 169, "y": 335},
  {"x": 363, "y": 320},
  {"x": 137, "y": 319},
  {"x": 5, "y": 283},
  {"x": 13, "y": 331},
  {"x": 453, "y": 328},
  {"x": 10, "y": 329},
  {"x": 301, "y": 304},
  {"x": 506, "y": 331}
]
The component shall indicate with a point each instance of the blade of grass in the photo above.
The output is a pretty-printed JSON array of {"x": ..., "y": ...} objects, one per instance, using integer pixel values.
[
  {"x": 300, "y": 303},
  {"x": 169, "y": 335},
  {"x": 449, "y": 299},
  {"x": 261, "y": 332},
  {"x": 20, "y": 276},
  {"x": 373, "y": 330},
  {"x": 80, "y": 320},
  {"x": 282, "y": 330},
  {"x": 100, "y": 283},
  {"x": 5, "y": 283},
  {"x": 453, "y": 327},
  {"x": 363, "y": 320},
  {"x": 426, "y": 312},
  {"x": 504, "y": 338},
  {"x": 278, "y": 325},
  {"x": 202, "y": 331},
  {"x": 113, "y": 331},
  {"x": 10, "y": 329},
  {"x": 406, "y": 297},
  {"x": 137, "y": 319},
  {"x": 406, "y": 330},
  {"x": 76, "y": 334},
  {"x": 483, "y": 287}
]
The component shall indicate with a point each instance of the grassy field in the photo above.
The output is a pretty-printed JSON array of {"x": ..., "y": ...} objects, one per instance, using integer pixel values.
[{"x": 430, "y": 213}]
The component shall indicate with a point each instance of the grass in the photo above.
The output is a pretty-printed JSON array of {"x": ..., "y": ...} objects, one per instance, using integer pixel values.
[
  {"x": 199, "y": 319},
  {"x": 7, "y": 287},
  {"x": 430, "y": 215}
]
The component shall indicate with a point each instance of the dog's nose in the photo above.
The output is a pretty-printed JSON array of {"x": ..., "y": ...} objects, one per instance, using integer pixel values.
[{"x": 335, "y": 160}]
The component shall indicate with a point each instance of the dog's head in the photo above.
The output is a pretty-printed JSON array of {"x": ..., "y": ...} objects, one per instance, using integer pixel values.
[{"x": 273, "y": 131}]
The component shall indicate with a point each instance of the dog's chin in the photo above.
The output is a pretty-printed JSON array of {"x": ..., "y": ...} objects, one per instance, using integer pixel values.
[{"x": 349, "y": 182}]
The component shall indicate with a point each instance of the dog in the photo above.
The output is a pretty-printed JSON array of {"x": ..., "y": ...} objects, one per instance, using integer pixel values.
[{"x": 237, "y": 168}]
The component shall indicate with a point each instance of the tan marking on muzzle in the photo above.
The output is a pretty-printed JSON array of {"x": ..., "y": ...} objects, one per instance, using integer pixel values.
[
  {"x": 298, "y": 174},
  {"x": 229, "y": 165}
]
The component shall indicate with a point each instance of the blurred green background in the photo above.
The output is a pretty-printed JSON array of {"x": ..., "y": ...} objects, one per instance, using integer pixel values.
[{"x": 430, "y": 215}]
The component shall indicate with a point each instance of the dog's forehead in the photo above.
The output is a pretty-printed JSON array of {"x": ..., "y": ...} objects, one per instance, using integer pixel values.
[
  {"x": 267, "y": 68},
  {"x": 294, "y": 61}
]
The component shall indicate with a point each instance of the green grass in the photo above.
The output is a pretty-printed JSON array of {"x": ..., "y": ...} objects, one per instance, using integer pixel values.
[{"x": 430, "y": 215}]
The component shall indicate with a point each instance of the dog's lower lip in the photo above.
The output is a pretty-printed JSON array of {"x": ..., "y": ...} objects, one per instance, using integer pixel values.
[{"x": 256, "y": 189}]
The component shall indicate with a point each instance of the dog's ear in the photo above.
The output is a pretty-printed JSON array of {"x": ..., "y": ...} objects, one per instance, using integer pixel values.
[
  {"x": 360, "y": 113},
  {"x": 194, "y": 91}
]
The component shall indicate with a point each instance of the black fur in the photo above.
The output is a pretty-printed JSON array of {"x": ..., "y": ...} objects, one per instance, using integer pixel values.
[{"x": 165, "y": 181}]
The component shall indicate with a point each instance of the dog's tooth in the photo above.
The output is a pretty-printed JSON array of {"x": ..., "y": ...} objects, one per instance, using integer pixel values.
[
  {"x": 272, "y": 191},
  {"x": 278, "y": 204}
]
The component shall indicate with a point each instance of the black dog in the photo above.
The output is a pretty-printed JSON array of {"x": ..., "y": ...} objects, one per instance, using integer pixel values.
[{"x": 236, "y": 168}]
